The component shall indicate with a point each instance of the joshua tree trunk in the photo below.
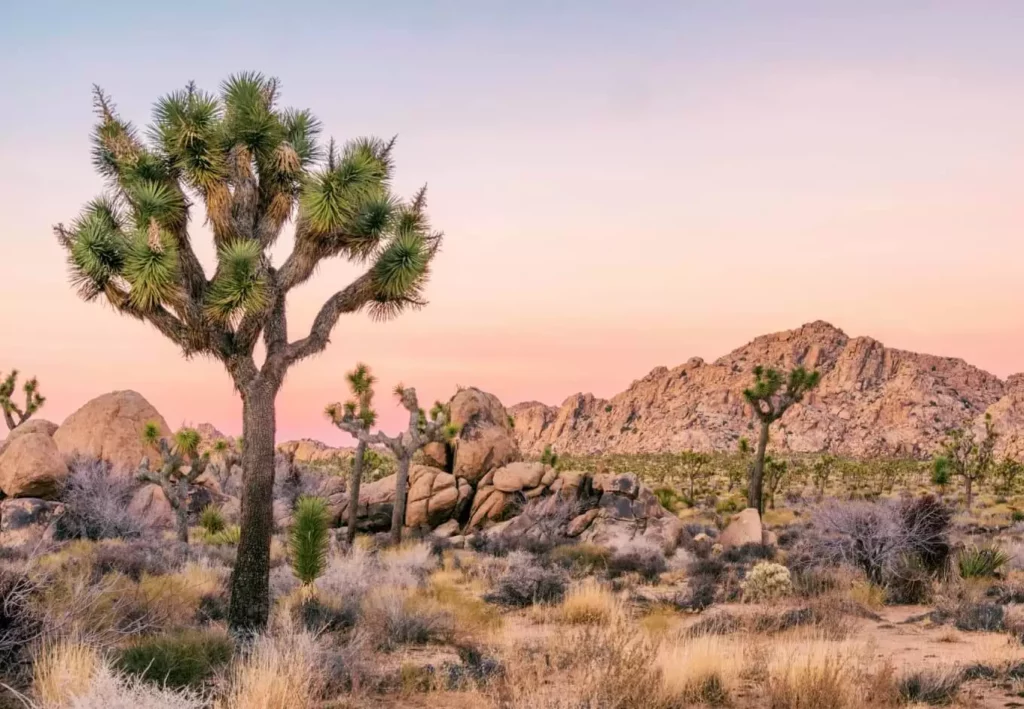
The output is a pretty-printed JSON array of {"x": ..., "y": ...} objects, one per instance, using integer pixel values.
[
  {"x": 181, "y": 509},
  {"x": 968, "y": 489},
  {"x": 353, "y": 495},
  {"x": 754, "y": 498},
  {"x": 250, "y": 580},
  {"x": 401, "y": 493}
]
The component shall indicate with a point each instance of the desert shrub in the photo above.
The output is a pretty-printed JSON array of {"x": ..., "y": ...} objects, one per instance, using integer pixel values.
[
  {"x": 981, "y": 561},
  {"x": 20, "y": 623},
  {"x": 935, "y": 686},
  {"x": 809, "y": 581},
  {"x": 185, "y": 659},
  {"x": 669, "y": 498},
  {"x": 812, "y": 675},
  {"x": 749, "y": 552},
  {"x": 317, "y": 614},
  {"x": 638, "y": 557},
  {"x": 283, "y": 671},
  {"x": 979, "y": 616},
  {"x": 473, "y": 669},
  {"x": 702, "y": 670},
  {"x": 136, "y": 558},
  {"x": 211, "y": 519},
  {"x": 392, "y": 617},
  {"x": 584, "y": 558},
  {"x": 96, "y": 503},
  {"x": 909, "y": 582},
  {"x": 526, "y": 582},
  {"x": 62, "y": 671},
  {"x": 308, "y": 539},
  {"x": 174, "y": 600},
  {"x": 767, "y": 582},
  {"x": 895, "y": 545},
  {"x": 703, "y": 578},
  {"x": 346, "y": 581},
  {"x": 407, "y": 565},
  {"x": 714, "y": 623}
]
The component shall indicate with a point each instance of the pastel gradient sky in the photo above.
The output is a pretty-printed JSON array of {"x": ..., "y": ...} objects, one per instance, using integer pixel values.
[{"x": 622, "y": 184}]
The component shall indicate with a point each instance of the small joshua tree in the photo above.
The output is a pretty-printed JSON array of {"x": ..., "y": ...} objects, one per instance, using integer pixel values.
[
  {"x": 770, "y": 397},
  {"x": 696, "y": 469},
  {"x": 548, "y": 456},
  {"x": 739, "y": 468},
  {"x": 356, "y": 413},
  {"x": 15, "y": 415},
  {"x": 1007, "y": 473},
  {"x": 180, "y": 466},
  {"x": 964, "y": 456},
  {"x": 821, "y": 472},
  {"x": 308, "y": 539},
  {"x": 422, "y": 430},
  {"x": 775, "y": 474}
]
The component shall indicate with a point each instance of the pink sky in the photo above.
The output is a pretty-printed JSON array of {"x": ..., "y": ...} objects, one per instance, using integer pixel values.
[{"x": 606, "y": 211}]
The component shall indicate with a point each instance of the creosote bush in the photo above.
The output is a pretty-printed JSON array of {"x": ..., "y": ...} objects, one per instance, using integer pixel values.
[
  {"x": 96, "y": 503},
  {"x": 527, "y": 582}
]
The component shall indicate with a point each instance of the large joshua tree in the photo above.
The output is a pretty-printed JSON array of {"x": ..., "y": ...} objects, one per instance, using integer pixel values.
[
  {"x": 253, "y": 167},
  {"x": 422, "y": 430},
  {"x": 770, "y": 397},
  {"x": 356, "y": 413},
  {"x": 15, "y": 415}
]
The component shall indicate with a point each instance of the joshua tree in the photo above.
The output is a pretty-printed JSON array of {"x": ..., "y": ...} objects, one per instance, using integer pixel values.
[
  {"x": 821, "y": 471},
  {"x": 966, "y": 457},
  {"x": 357, "y": 413},
  {"x": 548, "y": 456},
  {"x": 1007, "y": 473},
  {"x": 775, "y": 473},
  {"x": 738, "y": 467},
  {"x": 421, "y": 431},
  {"x": 253, "y": 166},
  {"x": 180, "y": 466},
  {"x": 770, "y": 397},
  {"x": 15, "y": 415},
  {"x": 696, "y": 472}
]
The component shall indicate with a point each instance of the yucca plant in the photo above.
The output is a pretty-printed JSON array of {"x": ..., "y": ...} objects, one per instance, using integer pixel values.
[
  {"x": 770, "y": 397},
  {"x": 15, "y": 415},
  {"x": 211, "y": 519},
  {"x": 981, "y": 561},
  {"x": 357, "y": 412},
  {"x": 308, "y": 539},
  {"x": 252, "y": 166},
  {"x": 422, "y": 430},
  {"x": 180, "y": 466}
]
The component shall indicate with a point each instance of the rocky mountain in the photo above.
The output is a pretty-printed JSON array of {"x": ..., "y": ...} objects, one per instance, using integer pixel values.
[{"x": 872, "y": 400}]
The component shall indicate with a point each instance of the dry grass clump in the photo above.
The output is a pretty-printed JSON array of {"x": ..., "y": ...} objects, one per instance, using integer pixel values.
[
  {"x": 62, "y": 670},
  {"x": 814, "y": 673},
  {"x": 702, "y": 670},
  {"x": 473, "y": 617},
  {"x": 283, "y": 671},
  {"x": 172, "y": 600},
  {"x": 589, "y": 602}
]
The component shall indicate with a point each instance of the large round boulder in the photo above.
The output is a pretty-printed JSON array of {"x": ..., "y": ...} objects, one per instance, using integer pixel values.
[
  {"x": 110, "y": 428},
  {"x": 31, "y": 466},
  {"x": 31, "y": 426},
  {"x": 150, "y": 505},
  {"x": 485, "y": 439}
]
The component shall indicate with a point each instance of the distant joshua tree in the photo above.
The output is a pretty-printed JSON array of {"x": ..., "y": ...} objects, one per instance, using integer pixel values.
[
  {"x": 770, "y": 397},
  {"x": 180, "y": 466},
  {"x": 964, "y": 456},
  {"x": 422, "y": 430},
  {"x": 15, "y": 415},
  {"x": 251, "y": 166},
  {"x": 356, "y": 413}
]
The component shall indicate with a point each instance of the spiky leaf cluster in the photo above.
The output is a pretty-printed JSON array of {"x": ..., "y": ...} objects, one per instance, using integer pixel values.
[
  {"x": 308, "y": 539},
  {"x": 254, "y": 166},
  {"x": 774, "y": 392}
]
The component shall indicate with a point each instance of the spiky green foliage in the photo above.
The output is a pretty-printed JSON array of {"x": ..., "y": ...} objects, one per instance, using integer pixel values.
[
  {"x": 548, "y": 456},
  {"x": 252, "y": 166},
  {"x": 981, "y": 561},
  {"x": 15, "y": 414},
  {"x": 211, "y": 519},
  {"x": 151, "y": 433},
  {"x": 308, "y": 539},
  {"x": 774, "y": 392},
  {"x": 179, "y": 467},
  {"x": 186, "y": 442}
]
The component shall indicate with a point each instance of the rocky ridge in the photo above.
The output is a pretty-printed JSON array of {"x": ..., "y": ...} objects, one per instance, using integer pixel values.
[{"x": 873, "y": 400}]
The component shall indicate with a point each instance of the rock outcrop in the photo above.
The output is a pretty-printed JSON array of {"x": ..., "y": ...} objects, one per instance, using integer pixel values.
[
  {"x": 31, "y": 465},
  {"x": 27, "y": 522},
  {"x": 30, "y": 426},
  {"x": 745, "y": 528},
  {"x": 110, "y": 427},
  {"x": 872, "y": 400},
  {"x": 307, "y": 450},
  {"x": 485, "y": 439}
]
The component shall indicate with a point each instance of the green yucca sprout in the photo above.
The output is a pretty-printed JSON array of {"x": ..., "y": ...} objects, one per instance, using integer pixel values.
[
  {"x": 211, "y": 519},
  {"x": 186, "y": 442},
  {"x": 308, "y": 539},
  {"x": 981, "y": 561},
  {"x": 255, "y": 166}
]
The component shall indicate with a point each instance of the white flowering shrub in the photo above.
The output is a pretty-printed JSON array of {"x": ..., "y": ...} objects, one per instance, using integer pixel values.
[{"x": 767, "y": 581}]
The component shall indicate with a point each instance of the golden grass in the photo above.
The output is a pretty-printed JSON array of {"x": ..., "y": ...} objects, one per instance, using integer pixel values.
[
  {"x": 280, "y": 672},
  {"x": 702, "y": 670},
  {"x": 814, "y": 673},
  {"x": 589, "y": 602},
  {"x": 62, "y": 671},
  {"x": 473, "y": 616},
  {"x": 867, "y": 594},
  {"x": 173, "y": 599},
  {"x": 659, "y": 621}
]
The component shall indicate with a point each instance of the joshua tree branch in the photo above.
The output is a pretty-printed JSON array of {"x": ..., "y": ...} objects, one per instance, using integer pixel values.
[{"x": 352, "y": 299}]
